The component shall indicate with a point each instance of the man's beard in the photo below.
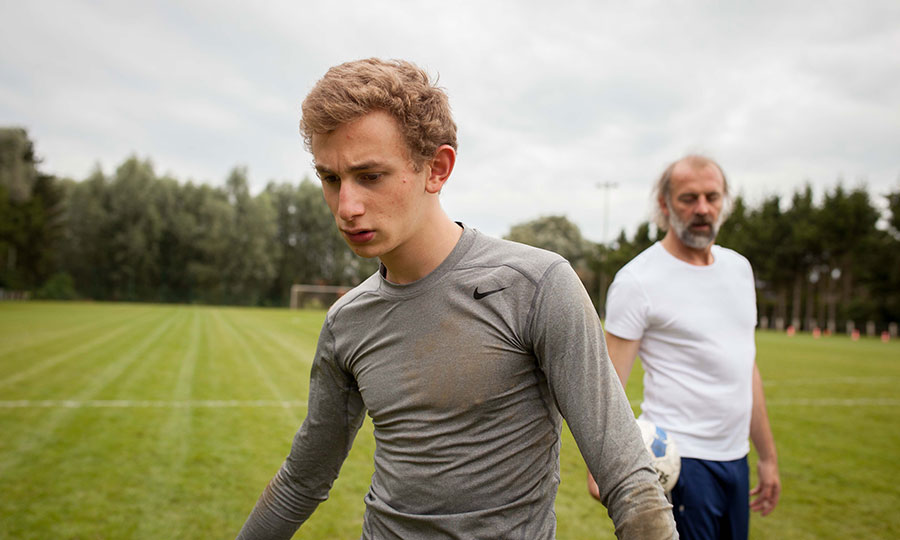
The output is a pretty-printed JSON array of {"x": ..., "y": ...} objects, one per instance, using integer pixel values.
[{"x": 696, "y": 240}]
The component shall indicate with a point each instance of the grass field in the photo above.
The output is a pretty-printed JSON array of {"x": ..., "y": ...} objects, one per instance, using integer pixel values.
[{"x": 122, "y": 421}]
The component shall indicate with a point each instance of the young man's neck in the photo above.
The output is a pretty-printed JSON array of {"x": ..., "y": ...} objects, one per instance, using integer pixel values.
[
  {"x": 425, "y": 253},
  {"x": 697, "y": 257}
]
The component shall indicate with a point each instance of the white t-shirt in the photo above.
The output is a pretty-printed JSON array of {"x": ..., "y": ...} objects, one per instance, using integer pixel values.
[{"x": 696, "y": 327}]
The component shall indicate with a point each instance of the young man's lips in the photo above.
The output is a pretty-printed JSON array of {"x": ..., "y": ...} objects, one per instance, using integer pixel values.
[{"x": 360, "y": 236}]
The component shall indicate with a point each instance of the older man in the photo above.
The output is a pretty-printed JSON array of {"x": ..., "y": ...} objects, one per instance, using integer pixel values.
[{"x": 688, "y": 307}]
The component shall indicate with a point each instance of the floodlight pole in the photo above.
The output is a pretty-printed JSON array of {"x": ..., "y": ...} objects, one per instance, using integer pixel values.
[
  {"x": 606, "y": 187},
  {"x": 601, "y": 292}
]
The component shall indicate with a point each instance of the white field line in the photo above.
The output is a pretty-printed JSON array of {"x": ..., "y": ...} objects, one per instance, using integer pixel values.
[
  {"x": 241, "y": 338},
  {"x": 147, "y": 403},
  {"x": 834, "y": 402},
  {"x": 825, "y": 402},
  {"x": 45, "y": 430},
  {"x": 831, "y": 380},
  {"x": 263, "y": 403}
]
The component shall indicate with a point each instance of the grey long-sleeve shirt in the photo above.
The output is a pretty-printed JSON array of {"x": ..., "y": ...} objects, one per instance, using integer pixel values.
[{"x": 467, "y": 374}]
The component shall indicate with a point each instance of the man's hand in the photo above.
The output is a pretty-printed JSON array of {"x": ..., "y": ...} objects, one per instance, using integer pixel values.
[{"x": 764, "y": 497}]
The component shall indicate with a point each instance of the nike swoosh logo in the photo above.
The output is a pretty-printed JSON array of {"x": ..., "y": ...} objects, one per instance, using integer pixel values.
[{"x": 479, "y": 295}]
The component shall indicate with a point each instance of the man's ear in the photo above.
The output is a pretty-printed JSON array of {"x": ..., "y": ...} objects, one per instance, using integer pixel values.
[
  {"x": 663, "y": 206},
  {"x": 440, "y": 167}
]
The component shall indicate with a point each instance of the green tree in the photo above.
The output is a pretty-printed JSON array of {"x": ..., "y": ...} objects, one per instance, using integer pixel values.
[
  {"x": 311, "y": 249},
  {"x": 206, "y": 233},
  {"x": 553, "y": 233},
  {"x": 803, "y": 253},
  {"x": 558, "y": 234},
  {"x": 84, "y": 252},
  {"x": 249, "y": 262},
  {"x": 30, "y": 214},
  {"x": 768, "y": 250},
  {"x": 736, "y": 231},
  {"x": 134, "y": 232},
  {"x": 176, "y": 205},
  {"x": 624, "y": 250},
  {"x": 18, "y": 171},
  {"x": 893, "y": 200},
  {"x": 848, "y": 234},
  {"x": 886, "y": 268},
  {"x": 610, "y": 259}
]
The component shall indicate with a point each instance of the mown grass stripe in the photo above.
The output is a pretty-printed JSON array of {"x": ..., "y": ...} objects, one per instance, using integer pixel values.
[
  {"x": 180, "y": 440},
  {"x": 29, "y": 334},
  {"x": 44, "y": 432},
  {"x": 146, "y": 403},
  {"x": 100, "y": 338},
  {"x": 187, "y": 362},
  {"x": 155, "y": 372},
  {"x": 248, "y": 354},
  {"x": 160, "y": 513},
  {"x": 286, "y": 362}
]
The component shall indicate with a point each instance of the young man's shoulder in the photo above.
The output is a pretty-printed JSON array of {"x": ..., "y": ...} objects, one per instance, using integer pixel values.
[
  {"x": 481, "y": 252},
  {"x": 370, "y": 285},
  {"x": 529, "y": 260}
]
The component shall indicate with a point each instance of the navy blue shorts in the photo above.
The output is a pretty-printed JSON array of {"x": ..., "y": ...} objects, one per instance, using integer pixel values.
[{"x": 711, "y": 500}]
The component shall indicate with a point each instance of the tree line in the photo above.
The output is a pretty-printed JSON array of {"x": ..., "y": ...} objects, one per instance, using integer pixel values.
[
  {"x": 138, "y": 236},
  {"x": 829, "y": 265},
  {"x": 134, "y": 235}
]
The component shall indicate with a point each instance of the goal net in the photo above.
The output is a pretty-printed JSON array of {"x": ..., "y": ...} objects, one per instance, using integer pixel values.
[{"x": 315, "y": 296}]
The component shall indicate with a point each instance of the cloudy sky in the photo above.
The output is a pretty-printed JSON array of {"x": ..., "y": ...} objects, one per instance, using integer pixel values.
[{"x": 552, "y": 99}]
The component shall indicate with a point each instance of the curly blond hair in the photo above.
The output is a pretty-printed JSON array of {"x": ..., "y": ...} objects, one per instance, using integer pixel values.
[{"x": 351, "y": 90}]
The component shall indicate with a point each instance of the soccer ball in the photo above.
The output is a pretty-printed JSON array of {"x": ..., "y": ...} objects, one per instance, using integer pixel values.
[{"x": 663, "y": 453}]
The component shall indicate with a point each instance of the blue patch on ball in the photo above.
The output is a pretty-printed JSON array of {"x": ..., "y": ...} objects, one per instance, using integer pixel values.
[
  {"x": 663, "y": 453},
  {"x": 658, "y": 446}
]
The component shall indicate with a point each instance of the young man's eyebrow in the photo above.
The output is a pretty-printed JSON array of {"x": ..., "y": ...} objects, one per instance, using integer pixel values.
[{"x": 364, "y": 166}]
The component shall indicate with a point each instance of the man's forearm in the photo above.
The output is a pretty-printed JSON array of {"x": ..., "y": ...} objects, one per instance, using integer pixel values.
[
  {"x": 269, "y": 519},
  {"x": 760, "y": 429}
]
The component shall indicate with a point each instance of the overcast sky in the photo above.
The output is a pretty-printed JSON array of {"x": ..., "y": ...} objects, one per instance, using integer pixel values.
[{"x": 551, "y": 98}]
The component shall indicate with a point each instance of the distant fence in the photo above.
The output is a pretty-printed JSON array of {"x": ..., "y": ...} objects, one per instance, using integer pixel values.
[
  {"x": 870, "y": 329},
  {"x": 14, "y": 295}
]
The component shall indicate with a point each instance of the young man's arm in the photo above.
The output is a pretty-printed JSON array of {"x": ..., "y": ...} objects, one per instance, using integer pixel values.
[
  {"x": 622, "y": 353},
  {"x": 569, "y": 344},
  {"x": 334, "y": 415},
  {"x": 768, "y": 490}
]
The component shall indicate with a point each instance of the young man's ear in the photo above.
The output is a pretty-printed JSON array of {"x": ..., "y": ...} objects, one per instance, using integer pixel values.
[{"x": 440, "y": 167}]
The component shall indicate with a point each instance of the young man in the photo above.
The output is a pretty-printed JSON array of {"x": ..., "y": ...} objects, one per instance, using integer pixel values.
[
  {"x": 466, "y": 351},
  {"x": 689, "y": 308}
]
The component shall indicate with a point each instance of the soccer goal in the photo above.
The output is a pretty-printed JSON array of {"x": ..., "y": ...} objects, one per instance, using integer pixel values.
[{"x": 315, "y": 296}]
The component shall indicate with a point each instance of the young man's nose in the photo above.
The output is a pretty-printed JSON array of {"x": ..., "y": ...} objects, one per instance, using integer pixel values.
[{"x": 350, "y": 204}]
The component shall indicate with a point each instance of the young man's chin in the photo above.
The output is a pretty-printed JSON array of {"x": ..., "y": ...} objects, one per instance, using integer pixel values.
[{"x": 364, "y": 250}]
